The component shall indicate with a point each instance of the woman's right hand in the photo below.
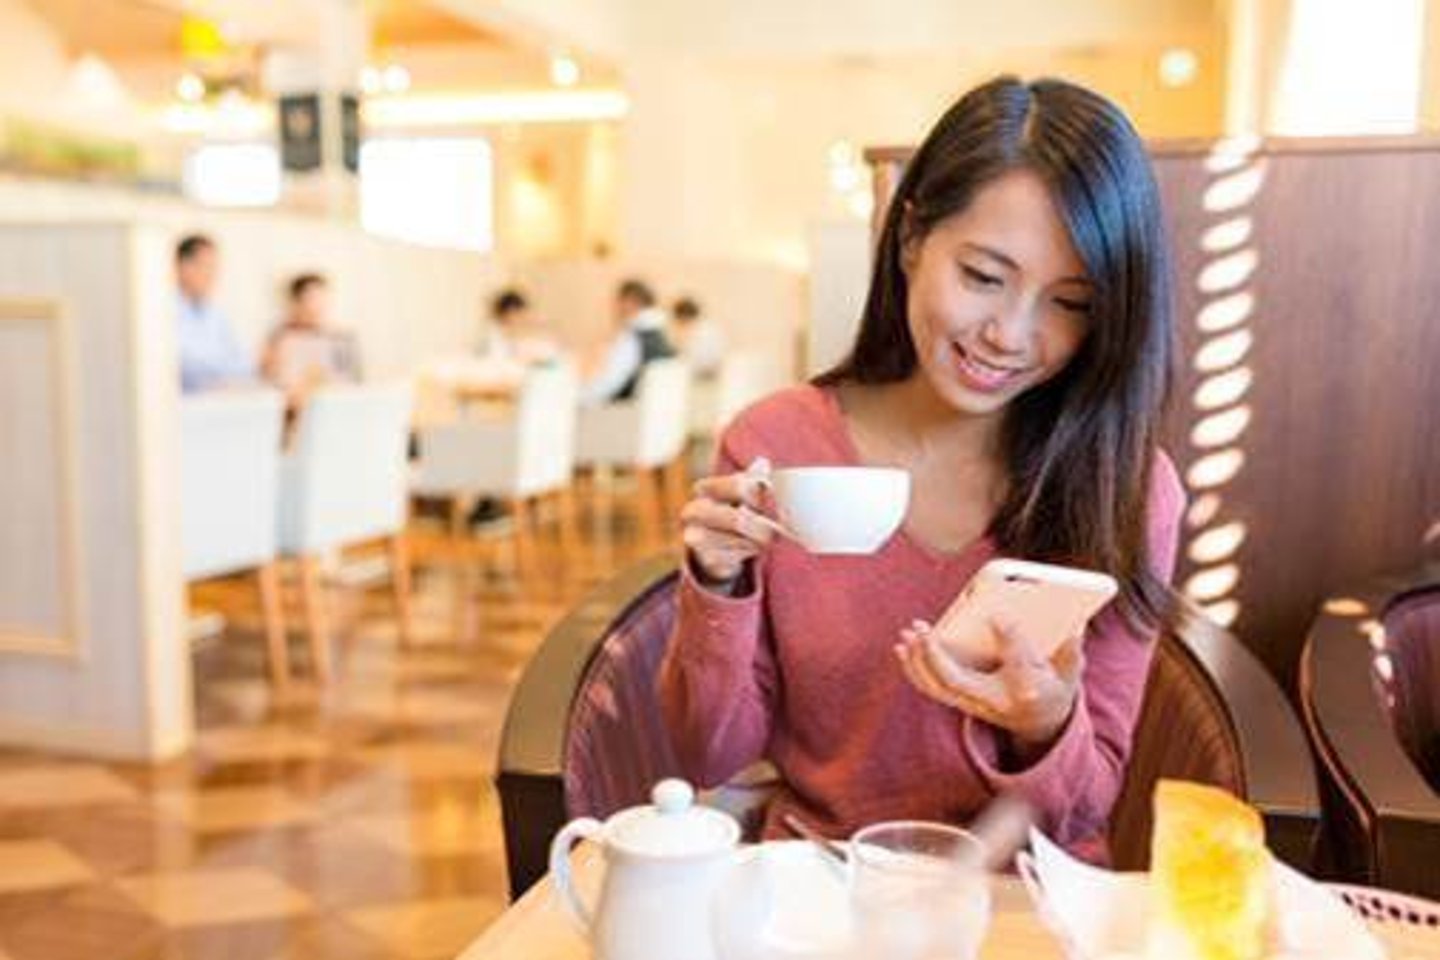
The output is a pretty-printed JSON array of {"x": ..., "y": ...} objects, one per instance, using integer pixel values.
[{"x": 722, "y": 526}]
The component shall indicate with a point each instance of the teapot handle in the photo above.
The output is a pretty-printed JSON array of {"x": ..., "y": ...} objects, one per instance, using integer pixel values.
[{"x": 586, "y": 828}]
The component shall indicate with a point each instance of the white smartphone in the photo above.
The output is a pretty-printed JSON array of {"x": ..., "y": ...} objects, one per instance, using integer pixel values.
[{"x": 1049, "y": 603}]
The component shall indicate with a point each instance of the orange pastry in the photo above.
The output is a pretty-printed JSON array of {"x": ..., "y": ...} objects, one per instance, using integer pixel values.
[{"x": 1210, "y": 876}]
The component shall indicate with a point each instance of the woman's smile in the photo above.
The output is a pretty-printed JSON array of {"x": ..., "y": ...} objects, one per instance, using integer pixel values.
[{"x": 985, "y": 376}]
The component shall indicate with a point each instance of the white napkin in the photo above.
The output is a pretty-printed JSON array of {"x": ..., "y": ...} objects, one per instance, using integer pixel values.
[{"x": 1103, "y": 914}]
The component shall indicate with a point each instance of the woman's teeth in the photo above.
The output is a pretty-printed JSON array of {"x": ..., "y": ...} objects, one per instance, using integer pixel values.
[{"x": 982, "y": 375}]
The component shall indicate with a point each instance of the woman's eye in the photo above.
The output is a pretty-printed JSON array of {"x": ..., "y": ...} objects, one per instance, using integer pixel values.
[
  {"x": 1081, "y": 307},
  {"x": 979, "y": 277}
]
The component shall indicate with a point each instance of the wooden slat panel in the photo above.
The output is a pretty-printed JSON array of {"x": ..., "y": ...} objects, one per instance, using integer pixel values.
[{"x": 1342, "y": 453}]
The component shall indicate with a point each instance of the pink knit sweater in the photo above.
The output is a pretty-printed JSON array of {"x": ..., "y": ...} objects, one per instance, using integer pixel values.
[{"x": 801, "y": 671}]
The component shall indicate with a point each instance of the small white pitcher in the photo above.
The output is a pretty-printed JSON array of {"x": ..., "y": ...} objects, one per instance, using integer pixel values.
[{"x": 663, "y": 863}]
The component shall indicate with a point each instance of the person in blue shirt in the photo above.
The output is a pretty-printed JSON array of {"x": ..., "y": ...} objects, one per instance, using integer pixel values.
[{"x": 210, "y": 356}]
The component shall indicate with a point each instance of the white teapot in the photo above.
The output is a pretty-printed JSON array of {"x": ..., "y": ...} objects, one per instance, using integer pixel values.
[{"x": 663, "y": 864}]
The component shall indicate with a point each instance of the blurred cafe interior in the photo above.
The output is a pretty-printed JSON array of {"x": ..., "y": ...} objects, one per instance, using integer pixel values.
[{"x": 409, "y": 412}]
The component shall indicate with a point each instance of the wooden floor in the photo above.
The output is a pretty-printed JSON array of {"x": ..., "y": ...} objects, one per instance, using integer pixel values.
[{"x": 352, "y": 823}]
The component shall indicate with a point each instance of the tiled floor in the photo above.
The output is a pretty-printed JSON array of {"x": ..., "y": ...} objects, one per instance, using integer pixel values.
[{"x": 352, "y": 823}]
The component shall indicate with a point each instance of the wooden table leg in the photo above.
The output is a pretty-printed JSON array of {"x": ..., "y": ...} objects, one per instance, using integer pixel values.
[
  {"x": 317, "y": 620},
  {"x": 676, "y": 486},
  {"x": 523, "y": 511},
  {"x": 569, "y": 525},
  {"x": 272, "y": 610},
  {"x": 650, "y": 503},
  {"x": 400, "y": 581}
]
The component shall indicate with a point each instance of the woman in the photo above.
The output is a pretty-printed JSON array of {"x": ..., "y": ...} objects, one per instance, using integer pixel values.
[
  {"x": 1014, "y": 356},
  {"x": 305, "y": 351},
  {"x": 516, "y": 335}
]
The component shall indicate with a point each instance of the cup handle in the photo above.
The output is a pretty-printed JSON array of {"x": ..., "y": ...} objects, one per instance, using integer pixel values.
[
  {"x": 775, "y": 526},
  {"x": 585, "y": 828},
  {"x": 759, "y": 471}
]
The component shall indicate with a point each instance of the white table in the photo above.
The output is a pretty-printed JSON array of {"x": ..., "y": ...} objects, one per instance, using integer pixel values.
[{"x": 535, "y": 928}]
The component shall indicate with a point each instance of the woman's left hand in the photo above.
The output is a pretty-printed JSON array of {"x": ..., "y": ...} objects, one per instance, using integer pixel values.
[{"x": 1026, "y": 695}]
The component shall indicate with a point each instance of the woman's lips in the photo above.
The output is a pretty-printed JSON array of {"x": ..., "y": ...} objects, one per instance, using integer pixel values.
[{"x": 982, "y": 376}]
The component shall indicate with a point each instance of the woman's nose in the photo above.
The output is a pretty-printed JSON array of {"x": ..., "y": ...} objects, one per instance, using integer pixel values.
[{"x": 1009, "y": 330}]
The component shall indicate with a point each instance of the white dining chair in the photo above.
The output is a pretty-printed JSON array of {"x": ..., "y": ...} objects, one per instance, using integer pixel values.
[
  {"x": 229, "y": 484},
  {"x": 524, "y": 460},
  {"x": 646, "y": 435},
  {"x": 741, "y": 379},
  {"x": 345, "y": 482}
]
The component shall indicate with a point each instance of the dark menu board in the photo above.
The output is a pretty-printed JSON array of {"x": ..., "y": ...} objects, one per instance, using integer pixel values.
[{"x": 300, "y": 150}]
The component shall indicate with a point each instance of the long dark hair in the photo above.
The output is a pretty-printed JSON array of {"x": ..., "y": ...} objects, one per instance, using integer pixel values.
[{"x": 1079, "y": 448}]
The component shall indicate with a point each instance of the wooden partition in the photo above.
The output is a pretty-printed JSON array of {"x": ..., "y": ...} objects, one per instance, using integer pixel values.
[
  {"x": 92, "y": 651},
  {"x": 1307, "y": 415}
]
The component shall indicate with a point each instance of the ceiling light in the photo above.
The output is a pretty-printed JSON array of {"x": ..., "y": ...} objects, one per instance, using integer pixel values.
[
  {"x": 370, "y": 81},
  {"x": 1178, "y": 67},
  {"x": 190, "y": 88},
  {"x": 395, "y": 79},
  {"x": 564, "y": 71},
  {"x": 92, "y": 83}
]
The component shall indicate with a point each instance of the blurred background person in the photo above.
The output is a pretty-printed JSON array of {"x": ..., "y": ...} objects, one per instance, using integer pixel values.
[
  {"x": 210, "y": 355},
  {"x": 698, "y": 337},
  {"x": 639, "y": 338},
  {"x": 516, "y": 333},
  {"x": 305, "y": 350}
]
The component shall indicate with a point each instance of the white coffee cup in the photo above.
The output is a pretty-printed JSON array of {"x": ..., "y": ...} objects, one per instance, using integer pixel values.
[{"x": 840, "y": 510}]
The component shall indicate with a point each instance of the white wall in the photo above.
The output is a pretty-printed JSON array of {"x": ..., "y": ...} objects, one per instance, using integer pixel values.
[
  {"x": 840, "y": 263},
  {"x": 727, "y": 158},
  {"x": 598, "y": 26},
  {"x": 803, "y": 28},
  {"x": 406, "y": 304},
  {"x": 761, "y": 307}
]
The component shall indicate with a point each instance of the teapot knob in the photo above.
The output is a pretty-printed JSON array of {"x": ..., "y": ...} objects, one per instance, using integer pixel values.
[{"x": 672, "y": 796}]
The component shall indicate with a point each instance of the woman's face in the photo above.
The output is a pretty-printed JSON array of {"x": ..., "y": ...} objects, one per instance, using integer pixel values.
[{"x": 998, "y": 299}]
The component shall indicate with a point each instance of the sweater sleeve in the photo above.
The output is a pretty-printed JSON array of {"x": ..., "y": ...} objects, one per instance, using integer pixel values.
[
  {"x": 1074, "y": 785},
  {"x": 718, "y": 680}
]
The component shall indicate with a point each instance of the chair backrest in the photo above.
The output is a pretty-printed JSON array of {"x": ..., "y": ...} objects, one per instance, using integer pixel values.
[
  {"x": 545, "y": 420},
  {"x": 743, "y": 378},
  {"x": 663, "y": 399},
  {"x": 345, "y": 479},
  {"x": 1412, "y": 642},
  {"x": 1184, "y": 732},
  {"x": 229, "y": 480},
  {"x": 616, "y": 744},
  {"x": 1363, "y": 680}
]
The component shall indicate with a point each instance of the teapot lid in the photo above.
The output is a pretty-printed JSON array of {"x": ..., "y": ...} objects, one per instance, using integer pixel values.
[{"x": 672, "y": 826}]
